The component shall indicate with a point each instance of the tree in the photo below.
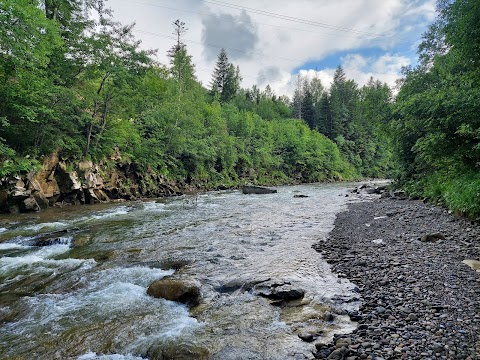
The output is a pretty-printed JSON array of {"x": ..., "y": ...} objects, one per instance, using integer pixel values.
[
  {"x": 343, "y": 99},
  {"x": 182, "y": 67},
  {"x": 116, "y": 60},
  {"x": 436, "y": 123},
  {"x": 27, "y": 41},
  {"x": 225, "y": 79},
  {"x": 324, "y": 114},
  {"x": 308, "y": 108},
  {"x": 298, "y": 96}
]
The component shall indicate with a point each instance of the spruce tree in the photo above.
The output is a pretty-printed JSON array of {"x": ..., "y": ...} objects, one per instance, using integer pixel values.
[
  {"x": 226, "y": 79},
  {"x": 308, "y": 108},
  {"x": 325, "y": 125}
]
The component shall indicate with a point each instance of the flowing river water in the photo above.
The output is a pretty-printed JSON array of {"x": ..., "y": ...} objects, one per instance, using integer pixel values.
[{"x": 83, "y": 295}]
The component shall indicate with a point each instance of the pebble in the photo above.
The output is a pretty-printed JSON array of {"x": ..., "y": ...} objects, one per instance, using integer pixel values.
[
  {"x": 412, "y": 317},
  {"x": 418, "y": 300}
]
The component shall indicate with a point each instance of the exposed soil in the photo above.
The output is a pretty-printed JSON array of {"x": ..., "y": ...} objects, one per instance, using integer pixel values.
[{"x": 418, "y": 300}]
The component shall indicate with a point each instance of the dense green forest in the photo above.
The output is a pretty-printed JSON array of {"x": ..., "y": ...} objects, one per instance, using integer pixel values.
[
  {"x": 73, "y": 80},
  {"x": 436, "y": 115}
]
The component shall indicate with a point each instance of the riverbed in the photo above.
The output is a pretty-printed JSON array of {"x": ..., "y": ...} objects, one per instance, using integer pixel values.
[
  {"x": 83, "y": 294},
  {"x": 420, "y": 296}
]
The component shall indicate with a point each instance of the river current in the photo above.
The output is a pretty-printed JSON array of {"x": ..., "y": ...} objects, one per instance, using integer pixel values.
[{"x": 83, "y": 295}]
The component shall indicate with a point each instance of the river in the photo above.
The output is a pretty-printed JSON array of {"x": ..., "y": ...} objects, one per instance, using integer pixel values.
[{"x": 84, "y": 295}]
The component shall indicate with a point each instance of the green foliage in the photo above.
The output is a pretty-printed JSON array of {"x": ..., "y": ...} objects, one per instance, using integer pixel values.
[
  {"x": 436, "y": 124},
  {"x": 27, "y": 37},
  {"x": 225, "y": 79},
  {"x": 459, "y": 190},
  {"x": 88, "y": 91},
  {"x": 14, "y": 165}
]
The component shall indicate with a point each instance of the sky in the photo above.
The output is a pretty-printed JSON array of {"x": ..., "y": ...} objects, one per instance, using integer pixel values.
[{"x": 272, "y": 41}]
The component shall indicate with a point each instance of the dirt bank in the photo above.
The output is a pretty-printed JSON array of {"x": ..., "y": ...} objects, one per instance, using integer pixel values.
[{"x": 419, "y": 301}]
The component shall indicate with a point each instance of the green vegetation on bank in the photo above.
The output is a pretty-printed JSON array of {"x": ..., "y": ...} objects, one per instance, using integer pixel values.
[
  {"x": 436, "y": 116},
  {"x": 73, "y": 80},
  {"x": 82, "y": 86}
]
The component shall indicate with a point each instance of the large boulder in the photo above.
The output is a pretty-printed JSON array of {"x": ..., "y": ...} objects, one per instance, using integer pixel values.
[
  {"x": 184, "y": 291},
  {"x": 44, "y": 180}
]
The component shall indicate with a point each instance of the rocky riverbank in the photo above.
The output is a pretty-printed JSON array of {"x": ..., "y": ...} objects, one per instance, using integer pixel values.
[
  {"x": 418, "y": 299},
  {"x": 60, "y": 183}
]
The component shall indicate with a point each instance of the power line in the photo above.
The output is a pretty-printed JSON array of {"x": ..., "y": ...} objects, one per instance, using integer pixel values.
[
  {"x": 359, "y": 34},
  {"x": 291, "y": 18},
  {"x": 194, "y": 42},
  {"x": 221, "y": 46}
]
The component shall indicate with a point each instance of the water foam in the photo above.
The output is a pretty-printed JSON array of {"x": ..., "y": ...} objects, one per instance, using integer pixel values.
[
  {"x": 151, "y": 206},
  {"x": 110, "y": 293},
  {"x": 40, "y": 257},
  {"x": 121, "y": 210},
  {"x": 13, "y": 246},
  {"x": 55, "y": 225}
]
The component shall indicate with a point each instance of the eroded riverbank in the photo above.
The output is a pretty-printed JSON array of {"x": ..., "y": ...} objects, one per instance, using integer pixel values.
[{"x": 419, "y": 301}]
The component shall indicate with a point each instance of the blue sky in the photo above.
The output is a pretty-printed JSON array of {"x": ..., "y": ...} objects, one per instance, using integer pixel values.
[{"x": 273, "y": 41}]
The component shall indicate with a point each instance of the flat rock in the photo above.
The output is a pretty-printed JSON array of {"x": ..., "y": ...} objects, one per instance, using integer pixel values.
[
  {"x": 252, "y": 189},
  {"x": 474, "y": 264},
  {"x": 432, "y": 237},
  {"x": 279, "y": 291}
]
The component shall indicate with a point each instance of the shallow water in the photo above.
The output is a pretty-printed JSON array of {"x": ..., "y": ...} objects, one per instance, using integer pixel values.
[{"x": 84, "y": 297}]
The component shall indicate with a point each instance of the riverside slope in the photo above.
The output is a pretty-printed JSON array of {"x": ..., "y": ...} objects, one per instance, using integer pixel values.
[{"x": 419, "y": 301}]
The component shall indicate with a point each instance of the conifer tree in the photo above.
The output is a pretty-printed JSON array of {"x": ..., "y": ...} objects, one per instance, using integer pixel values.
[
  {"x": 182, "y": 67},
  {"x": 308, "y": 109},
  {"x": 226, "y": 78}
]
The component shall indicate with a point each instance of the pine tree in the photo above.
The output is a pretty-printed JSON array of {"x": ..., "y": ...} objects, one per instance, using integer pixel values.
[
  {"x": 343, "y": 96},
  {"x": 226, "y": 78},
  {"x": 297, "y": 97},
  {"x": 308, "y": 108},
  {"x": 325, "y": 125}
]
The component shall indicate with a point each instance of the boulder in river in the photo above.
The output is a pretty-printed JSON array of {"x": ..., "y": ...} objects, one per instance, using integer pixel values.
[
  {"x": 178, "y": 351},
  {"x": 184, "y": 291},
  {"x": 175, "y": 263},
  {"x": 279, "y": 291},
  {"x": 252, "y": 189}
]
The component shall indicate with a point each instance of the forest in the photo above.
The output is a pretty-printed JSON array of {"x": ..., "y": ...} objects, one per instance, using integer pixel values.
[{"x": 75, "y": 81}]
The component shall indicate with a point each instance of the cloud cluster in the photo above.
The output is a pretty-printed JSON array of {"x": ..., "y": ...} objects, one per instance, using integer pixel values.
[
  {"x": 271, "y": 40},
  {"x": 236, "y": 33}
]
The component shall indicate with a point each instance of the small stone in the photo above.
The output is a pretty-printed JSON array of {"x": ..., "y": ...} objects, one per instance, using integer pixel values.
[
  {"x": 412, "y": 317},
  {"x": 338, "y": 354},
  {"x": 328, "y": 316},
  {"x": 437, "y": 347},
  {"x": 307, "y": 337}
]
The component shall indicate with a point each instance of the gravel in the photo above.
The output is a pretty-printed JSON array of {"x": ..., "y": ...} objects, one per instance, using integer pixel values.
[{"x": 418, "y": 300}]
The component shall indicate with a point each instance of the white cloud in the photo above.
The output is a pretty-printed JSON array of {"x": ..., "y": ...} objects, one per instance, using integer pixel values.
[
  {"x": 277, "y": 46},
  {"x": 385, "y": 68}
]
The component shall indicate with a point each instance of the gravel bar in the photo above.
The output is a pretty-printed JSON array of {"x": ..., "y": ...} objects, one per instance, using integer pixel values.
[{"x": 418, "y": 299}]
